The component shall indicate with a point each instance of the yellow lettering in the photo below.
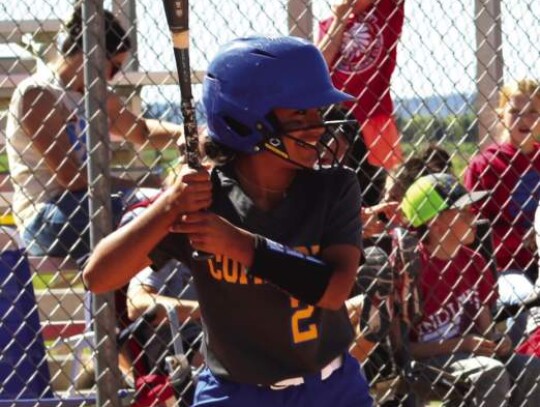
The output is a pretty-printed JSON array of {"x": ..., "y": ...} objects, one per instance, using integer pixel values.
[
  {"x": 258, "y": 280},
  {"x": 230, "y": 274},
  {"x": 243, "y": 275},
  {"x": 302, "y": 334},
  {"x": 215, "y": 273}
]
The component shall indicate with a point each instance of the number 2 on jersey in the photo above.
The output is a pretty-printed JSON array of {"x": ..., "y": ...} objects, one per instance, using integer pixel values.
[{"x": 302, "y": 330}]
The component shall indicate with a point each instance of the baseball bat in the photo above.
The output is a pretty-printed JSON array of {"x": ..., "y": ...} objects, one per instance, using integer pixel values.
[{"x": 177, "y": 12}]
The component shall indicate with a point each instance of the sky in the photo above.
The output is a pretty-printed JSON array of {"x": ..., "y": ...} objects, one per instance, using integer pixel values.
[{"x": 435, "y": 56}]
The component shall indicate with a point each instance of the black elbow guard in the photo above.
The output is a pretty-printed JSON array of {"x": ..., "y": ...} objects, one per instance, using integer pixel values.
[{"x": 302, "y": 276}]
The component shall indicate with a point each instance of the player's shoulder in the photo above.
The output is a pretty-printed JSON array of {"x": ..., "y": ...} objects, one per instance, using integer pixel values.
[
  {"x": 331, "y": 184},
  {"x": 335, "y": 175}
]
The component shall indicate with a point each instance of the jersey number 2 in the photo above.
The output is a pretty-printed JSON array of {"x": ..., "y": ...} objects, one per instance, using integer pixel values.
[{"x": 302, "y": 330}]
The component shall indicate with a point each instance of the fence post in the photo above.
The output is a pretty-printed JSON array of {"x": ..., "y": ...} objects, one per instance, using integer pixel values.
[
  {"x": 300, "y": 18},
  {"x": 489, "y": 65},
  {"x": 103, "y": 307}
]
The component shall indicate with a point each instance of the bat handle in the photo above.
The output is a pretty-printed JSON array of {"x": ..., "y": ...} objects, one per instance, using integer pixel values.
[{"x": 202, "y": 256}]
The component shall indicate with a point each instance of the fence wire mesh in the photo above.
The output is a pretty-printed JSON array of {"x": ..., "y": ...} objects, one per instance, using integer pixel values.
[{"x": 444, "y": 311}]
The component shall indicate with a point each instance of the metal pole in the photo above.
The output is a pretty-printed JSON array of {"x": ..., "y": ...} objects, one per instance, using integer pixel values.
[
  {"x": 95, "y": 91},
  {"x": 489, "y": 66},
  {"x": 300, "y": 18}
]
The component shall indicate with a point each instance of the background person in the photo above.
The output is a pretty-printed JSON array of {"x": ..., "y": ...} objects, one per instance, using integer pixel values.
[
  {"x": 458, "y": 290},
  {"x": 385, "y": 215},
  {"x": 359, "y": 43},
  {"x": 46, "y": 143},
  {"x": 510, "y": 170}
]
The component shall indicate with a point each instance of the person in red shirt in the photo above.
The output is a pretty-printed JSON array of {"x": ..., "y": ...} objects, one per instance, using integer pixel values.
[
  {"x": 510, "y": 169},
  {"x": 359, "y": 44},
  {"x": 457, "y": 289}
]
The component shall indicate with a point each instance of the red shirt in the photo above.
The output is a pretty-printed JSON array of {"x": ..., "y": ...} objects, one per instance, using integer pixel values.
[
  {"x": 514, "y": 181},
  {"x": 452, "y": 293},
  {"x": 367, "y": 57}
]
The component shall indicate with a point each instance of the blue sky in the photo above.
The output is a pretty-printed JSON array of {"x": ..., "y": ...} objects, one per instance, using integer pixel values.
[{"x": 436, "y": 54}]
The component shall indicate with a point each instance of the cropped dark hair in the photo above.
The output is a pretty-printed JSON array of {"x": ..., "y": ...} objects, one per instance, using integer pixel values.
[
  {"x": 433, "y": 159},
  {"x": 437, "y": 159},
  {"x": 217, "y": 153},
  {"x": 116, "y": 38}
]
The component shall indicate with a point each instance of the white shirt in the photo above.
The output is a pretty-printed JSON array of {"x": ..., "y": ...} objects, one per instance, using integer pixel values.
[{"x": 33, "y": 181}]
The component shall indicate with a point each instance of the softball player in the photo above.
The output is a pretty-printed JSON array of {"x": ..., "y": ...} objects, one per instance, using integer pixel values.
[{"x": 285, "y": 234}]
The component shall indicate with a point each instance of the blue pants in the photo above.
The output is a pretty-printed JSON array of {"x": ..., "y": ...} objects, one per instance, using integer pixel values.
[{"x": 346, "y": 387}]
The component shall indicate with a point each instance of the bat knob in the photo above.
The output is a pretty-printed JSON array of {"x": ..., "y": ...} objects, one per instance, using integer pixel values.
[{"x": 202, "y": 256}]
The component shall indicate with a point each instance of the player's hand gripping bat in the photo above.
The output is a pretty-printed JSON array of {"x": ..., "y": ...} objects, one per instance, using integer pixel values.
[{"x": 177, "y": 12}]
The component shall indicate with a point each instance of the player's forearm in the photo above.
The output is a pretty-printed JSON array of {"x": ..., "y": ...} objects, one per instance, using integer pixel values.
[
  {"x": 162, "y": 134},
  {"x": 484, "y": 322},
  {"x": 354, "y": 307},
  {"x": 123, "y": 253},
  {"x": 142, "y": 301},
  {"x": 342, "y": 279},
  {"x": 71, "y": 175},
  {"x": 143, "y": 132},
  {"x": 325, "y": 282}
]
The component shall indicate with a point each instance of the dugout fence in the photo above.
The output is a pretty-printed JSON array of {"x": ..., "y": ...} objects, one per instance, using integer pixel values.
[{"x": 452, "y": 60}]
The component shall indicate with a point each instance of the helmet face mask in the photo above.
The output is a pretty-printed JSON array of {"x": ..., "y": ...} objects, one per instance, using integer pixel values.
[
  {"x": 330, "y": 150},
  {"x": 251, "y": 77},
  {"x": 337, "y": 142}
]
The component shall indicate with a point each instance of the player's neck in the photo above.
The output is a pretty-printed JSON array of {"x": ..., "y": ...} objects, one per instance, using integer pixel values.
[{"x": 266, "y": 188}]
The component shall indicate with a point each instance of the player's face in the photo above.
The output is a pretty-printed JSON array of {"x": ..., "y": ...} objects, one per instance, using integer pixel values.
[
  {"x": 521, "y": 119},
  {"x": 301, "y": 131}
]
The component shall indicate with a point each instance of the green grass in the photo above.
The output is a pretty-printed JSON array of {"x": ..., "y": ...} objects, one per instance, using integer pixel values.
[
  {"x": 4, "y": 167},
  {"x": 64, "y": 279}
]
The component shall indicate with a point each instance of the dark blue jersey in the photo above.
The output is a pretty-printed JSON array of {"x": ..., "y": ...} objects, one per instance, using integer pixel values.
[{"x": 254, "y": 332}]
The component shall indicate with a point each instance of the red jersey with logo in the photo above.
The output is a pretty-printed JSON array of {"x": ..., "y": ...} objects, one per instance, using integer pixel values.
[
  {"x": 514, "y": 181},
  {"x": 452, "y": 292},
  {"x": 364, "y": 67}
]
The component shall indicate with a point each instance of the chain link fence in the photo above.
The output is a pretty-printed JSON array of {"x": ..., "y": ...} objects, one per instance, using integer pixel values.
[{"x": 443, "y": 109}]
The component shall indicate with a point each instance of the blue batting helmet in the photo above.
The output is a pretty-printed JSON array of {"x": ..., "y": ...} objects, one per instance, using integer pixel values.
[{"x": 250, "y": 77}]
